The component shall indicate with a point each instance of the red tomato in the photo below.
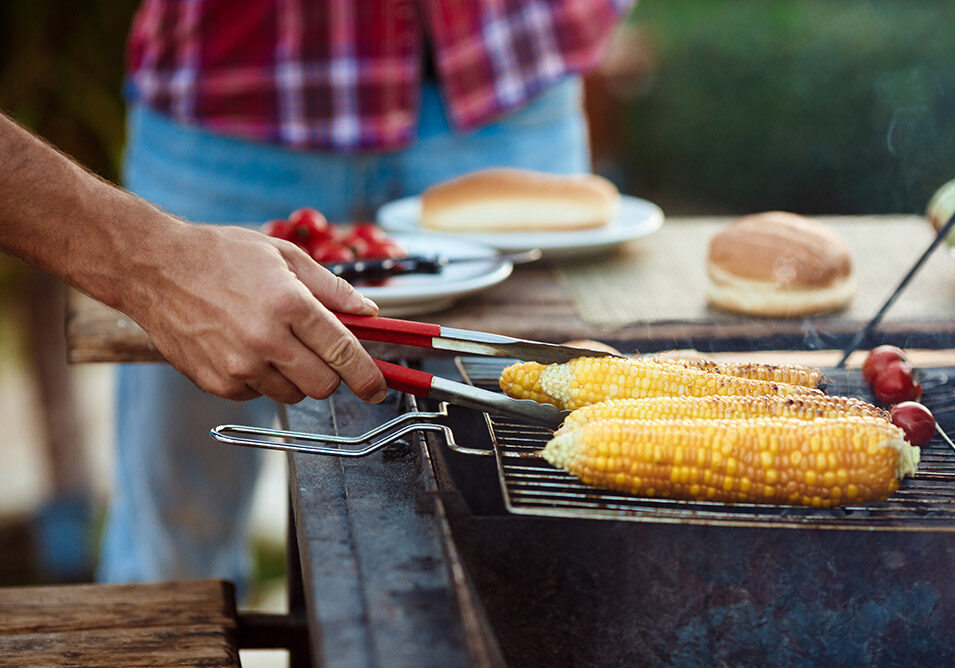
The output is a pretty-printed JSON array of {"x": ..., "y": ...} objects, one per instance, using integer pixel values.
[
  {"x": 384, "y": 249},
  {"x": 319, "y": 242},
  {"x": 369, "y": 232},
  {"x": 358, "y": 245},
  {"x": 330, "y": 253},
  {"x": 877, "y": 360},
  {"x": 896, "y": 383},
  {"x": 280, "y": 229},
  {"x": 309, "y": 224},
  {"x": 915, "y": 420},
  {"x": 326, "y": 235}
]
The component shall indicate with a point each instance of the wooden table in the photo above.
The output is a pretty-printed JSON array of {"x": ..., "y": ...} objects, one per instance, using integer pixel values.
[
  {"x": 538, "y": 301},
  {"x": 376, "y": 597}
]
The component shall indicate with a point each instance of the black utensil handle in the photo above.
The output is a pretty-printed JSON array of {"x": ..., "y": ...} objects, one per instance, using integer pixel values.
[
  {"x": 864, "y": 333},
  {"x": 370, "y": 270}
]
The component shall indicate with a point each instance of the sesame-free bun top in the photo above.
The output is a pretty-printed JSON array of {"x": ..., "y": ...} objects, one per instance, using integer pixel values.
[
  {"x": 518, "y": 200},
  {"x": 779, "y": 264}
]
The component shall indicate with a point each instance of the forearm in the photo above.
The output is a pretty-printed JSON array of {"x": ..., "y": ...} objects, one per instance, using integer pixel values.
[
  {"x": 240, "y": 313},
  {"x": 57, "y": 215}
]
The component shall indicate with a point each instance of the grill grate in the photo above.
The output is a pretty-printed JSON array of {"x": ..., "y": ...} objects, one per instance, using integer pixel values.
[{"x": 531, "y": 486}]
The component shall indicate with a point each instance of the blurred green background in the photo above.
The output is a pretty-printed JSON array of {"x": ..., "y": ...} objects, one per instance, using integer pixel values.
[
  {"x": 61, "y": 67},
  {"x": 806, "y": 105}
]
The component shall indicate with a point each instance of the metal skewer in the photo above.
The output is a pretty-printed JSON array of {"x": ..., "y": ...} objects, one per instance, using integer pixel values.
[
  {"x": 944, "y": 436},
  {"x": 864, "y": 333}
]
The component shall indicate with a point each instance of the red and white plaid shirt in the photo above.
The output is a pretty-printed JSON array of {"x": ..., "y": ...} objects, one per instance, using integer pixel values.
[{"x": 345, "y": 75}]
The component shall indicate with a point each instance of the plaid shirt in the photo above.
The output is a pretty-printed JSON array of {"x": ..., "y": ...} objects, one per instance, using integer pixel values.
[{"x": 344, "y": 75}]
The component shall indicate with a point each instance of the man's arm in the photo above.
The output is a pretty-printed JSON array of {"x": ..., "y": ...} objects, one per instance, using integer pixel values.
[{"x": 238, "y": 312}]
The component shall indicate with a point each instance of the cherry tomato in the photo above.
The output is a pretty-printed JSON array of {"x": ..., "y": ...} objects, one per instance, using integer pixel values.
[
  {"x": 320, "y": 241},
  {"x": 363, "y": 236},
  {"x": 309, "y": 225},
  {"x": 384, "y": 249},
  {"x": 915, "y": 420},
  {"x": 368, "y": 232},
  {"x": 877, "y": 360},
  {"x": 326, "y": 235},
  {"x": 896, "y": 383},
  {"x": 280, "y": 229},
  {"x": 358, "y": 245},
  {"x": 330, "y": 253}
]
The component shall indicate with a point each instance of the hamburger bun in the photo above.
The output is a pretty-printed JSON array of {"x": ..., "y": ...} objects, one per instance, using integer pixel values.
[
  {"x": 779, "y": 264},
  {"x": 518, "y": 200}
]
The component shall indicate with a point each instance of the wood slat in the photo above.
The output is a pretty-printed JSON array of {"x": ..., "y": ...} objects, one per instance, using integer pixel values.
[
  {"x": 152, "y": 646},
  {"x": 190, "y": 623},
  {"x": 97, "y": 333}
]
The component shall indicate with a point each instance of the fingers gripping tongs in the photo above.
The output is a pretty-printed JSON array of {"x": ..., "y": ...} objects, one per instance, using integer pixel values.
[
  {"x": 422, "y": 384},
  {"x": 426, "y": 385}
]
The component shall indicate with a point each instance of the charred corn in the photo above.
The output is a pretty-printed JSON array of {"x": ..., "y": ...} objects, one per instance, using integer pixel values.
[
  {"x": 793, "y": 374},
  {"x": 799, "y": 406},
  {"x": 588, "y": 380},
  {"x": 820, "y": 463}
]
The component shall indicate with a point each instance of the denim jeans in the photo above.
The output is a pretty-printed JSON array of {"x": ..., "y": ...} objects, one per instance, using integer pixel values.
[{"x": 180, "y": 504}]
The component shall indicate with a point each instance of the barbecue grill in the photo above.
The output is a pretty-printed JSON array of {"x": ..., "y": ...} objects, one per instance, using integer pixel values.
[
  {"x": 531, "y": 486},
  {"x": 571, "y": 575},
  {"x": 563, "y": 574}
]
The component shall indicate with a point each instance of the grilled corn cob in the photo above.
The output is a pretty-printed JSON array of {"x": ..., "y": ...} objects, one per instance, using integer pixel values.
[
  {"x": 793, "y": 374},
  {"x": 799, "y": 406},
  {"x": 820, "y": 463},
  {"x": 587, "y": 380},
  {"x": 522, "y": 381}
]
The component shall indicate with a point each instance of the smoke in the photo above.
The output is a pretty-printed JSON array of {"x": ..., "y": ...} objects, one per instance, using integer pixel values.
[{"x": 907, "y": 98}]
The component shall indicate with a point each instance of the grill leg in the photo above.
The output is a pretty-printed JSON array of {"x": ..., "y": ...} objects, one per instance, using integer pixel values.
[
  {"x": 259, "y": 630},
  {"x": 299, "y": 653}
]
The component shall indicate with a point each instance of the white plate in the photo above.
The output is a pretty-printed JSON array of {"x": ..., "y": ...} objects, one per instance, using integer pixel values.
[
  {"x": 636, "y": 218},
  {"x": 412, "y": 294}
]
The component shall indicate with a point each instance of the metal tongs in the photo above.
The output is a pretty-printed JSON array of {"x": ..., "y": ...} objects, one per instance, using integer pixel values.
[{"x": 425, "y": 385}]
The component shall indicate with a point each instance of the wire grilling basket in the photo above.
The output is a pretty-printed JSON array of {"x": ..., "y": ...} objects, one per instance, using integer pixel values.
[{"x": 531, "y": 486}]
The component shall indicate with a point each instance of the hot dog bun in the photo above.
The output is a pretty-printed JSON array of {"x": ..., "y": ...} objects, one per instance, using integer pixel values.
[
  {"x": 779, "y": 264},
  {"x": 518, "y": 200}
]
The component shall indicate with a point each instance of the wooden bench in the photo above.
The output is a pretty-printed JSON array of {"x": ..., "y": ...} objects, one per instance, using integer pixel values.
[{"x": 191, "y": 623}]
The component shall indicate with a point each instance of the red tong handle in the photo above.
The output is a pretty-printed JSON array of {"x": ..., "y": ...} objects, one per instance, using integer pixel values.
[
  {"x": 405, "y": 332},
  {"x": 403, "y": 379},
  {"x": 390, "y": 330}
]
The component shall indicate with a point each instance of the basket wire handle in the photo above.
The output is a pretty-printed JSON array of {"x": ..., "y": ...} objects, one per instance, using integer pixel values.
[{"x": 340, "y": 446}]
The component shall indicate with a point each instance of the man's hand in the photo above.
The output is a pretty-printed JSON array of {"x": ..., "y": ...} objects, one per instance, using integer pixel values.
[
  {"x": 245, "y": 315},
  {"x": 239, "y": 313}
]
